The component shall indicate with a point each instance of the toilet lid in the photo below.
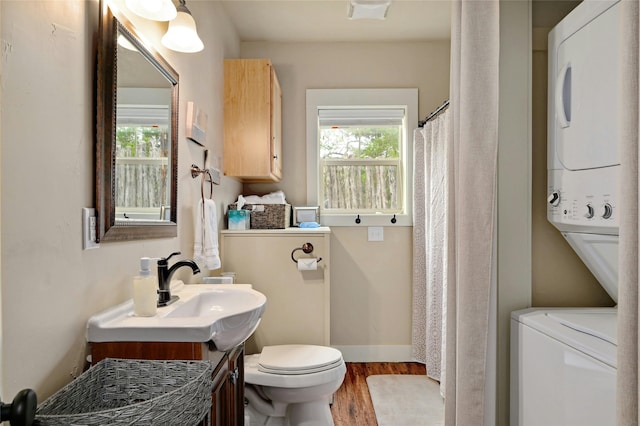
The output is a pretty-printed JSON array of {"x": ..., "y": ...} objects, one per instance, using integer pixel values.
[{"x": 298, "y": 359}]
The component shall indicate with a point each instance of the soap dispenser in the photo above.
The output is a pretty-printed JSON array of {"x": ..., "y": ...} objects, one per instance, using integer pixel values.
[{"x": 145, "y": 291}]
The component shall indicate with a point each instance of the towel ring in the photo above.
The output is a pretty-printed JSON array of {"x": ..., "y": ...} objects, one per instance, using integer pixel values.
[
  {"x": 204, "y": 173},
  {"x": 307, "y": 248},
  {"x": 195, "y": 171}
]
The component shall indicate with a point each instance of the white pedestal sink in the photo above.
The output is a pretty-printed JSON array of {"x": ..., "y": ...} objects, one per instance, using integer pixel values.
[{"x": 226, "y": 314}]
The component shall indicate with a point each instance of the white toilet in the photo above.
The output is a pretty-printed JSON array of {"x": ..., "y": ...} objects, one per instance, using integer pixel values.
[{"x": 292, "y": 385}]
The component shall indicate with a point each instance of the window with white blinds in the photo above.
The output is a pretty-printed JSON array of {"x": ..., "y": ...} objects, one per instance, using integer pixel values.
[{"x": 359, "y": 163}]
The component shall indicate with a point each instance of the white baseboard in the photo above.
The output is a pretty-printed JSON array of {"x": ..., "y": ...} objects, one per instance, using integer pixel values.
[{"x": 380, "y": 353}]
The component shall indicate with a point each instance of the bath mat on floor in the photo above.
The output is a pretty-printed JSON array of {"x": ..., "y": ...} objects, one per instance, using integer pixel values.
[{"x": 406, "y": 400}]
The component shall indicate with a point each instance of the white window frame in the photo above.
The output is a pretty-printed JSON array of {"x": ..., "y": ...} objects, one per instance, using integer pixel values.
[{"x": 358, "y": 98}]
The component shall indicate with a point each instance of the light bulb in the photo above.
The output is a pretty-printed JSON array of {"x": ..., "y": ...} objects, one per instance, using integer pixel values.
[
  {"x": 155, "y": 10},
  {"x": 182, "y": 35}
]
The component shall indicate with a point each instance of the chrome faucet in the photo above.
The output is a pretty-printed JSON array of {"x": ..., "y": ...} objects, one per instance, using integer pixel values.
[{"x": 164, "y": 277}]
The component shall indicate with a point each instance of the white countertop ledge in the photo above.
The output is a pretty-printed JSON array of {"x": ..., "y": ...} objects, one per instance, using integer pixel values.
[{"x": 290, "y": 230}]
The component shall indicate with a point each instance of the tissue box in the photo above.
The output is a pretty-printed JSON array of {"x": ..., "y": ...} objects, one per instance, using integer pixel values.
[
  {"x": 239, "y": 219},
  {"x": 267, "y": 216}
]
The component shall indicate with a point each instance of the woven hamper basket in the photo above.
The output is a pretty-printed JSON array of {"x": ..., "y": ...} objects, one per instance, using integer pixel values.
[{"x": 133, "y": 392}]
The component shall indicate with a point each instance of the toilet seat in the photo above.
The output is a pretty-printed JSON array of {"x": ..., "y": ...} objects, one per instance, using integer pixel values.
[
  {"x": 294, "y": 366},
  {"x": 298, "y": 359}
]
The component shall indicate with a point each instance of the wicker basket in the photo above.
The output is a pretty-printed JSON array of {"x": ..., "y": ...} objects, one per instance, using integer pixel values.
[
  {"x": 133, "y": 392},
  {"x": 268, "y": 216}
]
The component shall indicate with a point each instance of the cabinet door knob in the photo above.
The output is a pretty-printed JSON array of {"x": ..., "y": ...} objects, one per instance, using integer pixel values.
[
  {"x": 275, "y": 157},
  {"x": 234, "y": 376}
]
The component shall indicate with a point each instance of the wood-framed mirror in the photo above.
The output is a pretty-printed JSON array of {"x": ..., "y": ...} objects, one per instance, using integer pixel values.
[{"x": 136, "y": 135}]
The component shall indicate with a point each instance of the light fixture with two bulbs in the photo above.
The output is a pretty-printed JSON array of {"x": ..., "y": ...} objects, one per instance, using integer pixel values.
[{"x": 181, "y": 35}]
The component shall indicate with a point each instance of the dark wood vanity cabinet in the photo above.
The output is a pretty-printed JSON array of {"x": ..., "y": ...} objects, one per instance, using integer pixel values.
[
  {"x": 236, "y": 383},
  {"x": 228, "y": 390},
  {"x": 221, "y": 398},
  {"x": 227, "y": 408}
]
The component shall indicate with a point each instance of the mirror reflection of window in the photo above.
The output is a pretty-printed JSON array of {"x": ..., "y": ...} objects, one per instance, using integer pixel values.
[
  {"x": 142, "y": 161},
  {"x": 143, "y": 138}
]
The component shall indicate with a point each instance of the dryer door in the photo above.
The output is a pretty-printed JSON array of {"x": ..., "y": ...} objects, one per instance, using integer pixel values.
[{"x": 585, "y": 92}]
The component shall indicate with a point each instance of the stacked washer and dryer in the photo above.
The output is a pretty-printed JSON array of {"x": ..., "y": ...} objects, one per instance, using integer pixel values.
[{"x": 563, "y": 360}]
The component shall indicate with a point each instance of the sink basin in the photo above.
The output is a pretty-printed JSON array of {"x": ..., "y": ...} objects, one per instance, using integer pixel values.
[
  {"x": 226, "y": 314},
  {"x": 213, "y": 302}
]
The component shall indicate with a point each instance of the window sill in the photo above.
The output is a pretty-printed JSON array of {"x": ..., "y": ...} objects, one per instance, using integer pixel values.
[{"x": 365, "y": 220}]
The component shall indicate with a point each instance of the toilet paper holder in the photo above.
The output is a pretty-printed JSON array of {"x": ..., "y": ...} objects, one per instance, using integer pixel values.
[{"x": 306, "y": 248}]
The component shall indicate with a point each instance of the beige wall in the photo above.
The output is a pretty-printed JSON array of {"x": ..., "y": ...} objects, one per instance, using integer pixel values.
[
  {"x": 559, "y": 277},
  {"x": 50, "y": 286},
  {"x": 370, "y": 281},
  {"x": 513, "y": 233},
  {"x": 371, "y": 287}
]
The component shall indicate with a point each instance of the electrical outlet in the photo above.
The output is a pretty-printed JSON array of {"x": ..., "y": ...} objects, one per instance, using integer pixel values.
[
  {"x": 89, "y": 228},
  {"x": 376, "y": 233}
]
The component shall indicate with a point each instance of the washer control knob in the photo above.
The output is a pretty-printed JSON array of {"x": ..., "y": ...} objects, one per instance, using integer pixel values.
[
  {"x": 607, "y": 211},
  {"x": 590, "y": 212},
  {"x": 554, "y": 198}
]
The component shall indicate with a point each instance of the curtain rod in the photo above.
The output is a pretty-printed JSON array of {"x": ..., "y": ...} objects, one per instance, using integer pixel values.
[{"x": 434, "y": 113}]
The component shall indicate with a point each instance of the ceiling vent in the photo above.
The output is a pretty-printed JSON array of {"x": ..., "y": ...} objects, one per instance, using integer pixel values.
[{"x": 368, "y": 9}]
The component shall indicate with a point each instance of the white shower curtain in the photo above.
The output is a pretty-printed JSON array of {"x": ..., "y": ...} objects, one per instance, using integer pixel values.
[
  {"x": 470, "y": 213},
  {"x": 431, "y": 191}
]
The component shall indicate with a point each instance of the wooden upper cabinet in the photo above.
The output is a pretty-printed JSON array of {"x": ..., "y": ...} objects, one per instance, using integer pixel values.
[{"x": 252, "y": 121}]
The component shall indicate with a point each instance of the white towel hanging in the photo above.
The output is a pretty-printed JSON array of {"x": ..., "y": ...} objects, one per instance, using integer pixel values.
[{"x": 205, "y": 246}]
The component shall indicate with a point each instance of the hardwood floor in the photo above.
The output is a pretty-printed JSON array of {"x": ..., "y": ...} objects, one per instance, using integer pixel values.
[{"x": 352, "y": 403}]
